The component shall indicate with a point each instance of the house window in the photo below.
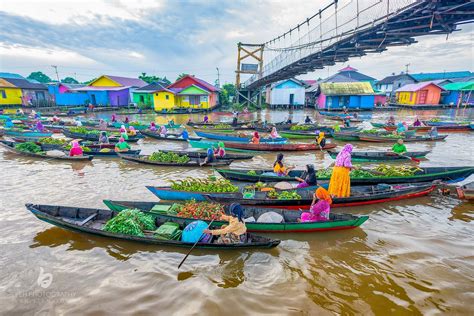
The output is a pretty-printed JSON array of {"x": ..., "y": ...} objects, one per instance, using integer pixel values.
[
  {"x": 329, "y": 102},
  {"x": 194, "y": 100},
  {"x": 411, "y": 96},
  {"x": 167, "y": 97},
  {"x": 156, "y": 94},
  {"x": 4, "y": 95}
]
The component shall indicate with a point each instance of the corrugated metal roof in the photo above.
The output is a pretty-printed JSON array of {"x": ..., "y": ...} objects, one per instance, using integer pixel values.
[
  {"x": 391, "y": 79},
  {"x": 346, "y": 88},
  {"x": 460, "y": 86},
  {"x": 6, "y": 84},
  {"x": 92, "y": 88},
  {"x": 313, "y": 88},
  {"x": 152, "y": 87},
  {"x": 130, "y": 82},
  {"x": 441, "y": 75},
  {"x": 416, "y": 86},
  {"x": 11, "y": 75},
  {"x": 25, "y": 84}
]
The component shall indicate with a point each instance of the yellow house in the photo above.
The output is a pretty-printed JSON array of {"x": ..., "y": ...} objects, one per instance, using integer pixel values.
[
  {"x": 192, "y": 97},
  {"x": 164, "y": 99},
  {"x": 9, "y": 93}
]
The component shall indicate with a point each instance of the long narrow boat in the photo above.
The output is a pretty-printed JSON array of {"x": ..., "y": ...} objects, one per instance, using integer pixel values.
[
  {"x": 229, "y": 138},
  {"x": 95, "y": 137},
  {"x": 168, "y": 194},
  {"x": 388, "y": 139},
  {"x": 427, "y": 174},
  {"x": 342, "y": 115},
  {"x": 345, "y": 136},
  {"x": 209, "y": 144},
  {"x": 278, "y": 147},
  {"x": 365, "y": 156},
  {"x": 11, "y": 147},
  {"x": 424, "y": 129},
  {"x": 92, "y": 221},
  {"x": 141, "y": 127},
  {"x": 445, "y": 123},
  {"x": 360, "y": 195},
  {"x": 193, "y": 124},
  {"x": 203, "y": 154},
  {"x": 26, "y": 133},
  {"x": 337, "y": 118},
  {"x": 193, "y": 162},
  {"x": 289, "y": 225},
  {"x": 312, "y": 134},
  {"x": 169, "y": 137},
  {"x": 111, "y": 153}
]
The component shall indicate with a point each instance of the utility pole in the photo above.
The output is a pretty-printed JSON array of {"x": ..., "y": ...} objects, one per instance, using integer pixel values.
[
  {"x": 218, "y": 82},
  {"x": 406, "y": 67},
  {"x": 56, "y": 69}
]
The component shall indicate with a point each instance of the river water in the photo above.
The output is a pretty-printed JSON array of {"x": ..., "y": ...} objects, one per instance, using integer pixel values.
[{"x": 411, "y": 257}]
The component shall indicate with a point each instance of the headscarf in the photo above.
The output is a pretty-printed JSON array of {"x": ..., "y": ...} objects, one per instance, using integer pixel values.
[
  {"x": 75, "y": 144},
  {"x": 126, "y": 119},
  {"x": 39, "y": 126},
  {"x": 310, "y": 175},
  {"x": 210, "y": 152},
  {"x": 323, "y": 194},
  {"x": 279, "y": 160},
  {"x": 114, "y": 118},
  {"x": 337, "y": 128},
  {"x": 152, "y": 124},
  {"x": 9, "y": 123},
  {"x": 123, "y": 129},
  {"x": 131, "y": 128},
  {"x": 343, "y": 159},
  {"x": 320, "y": 137},
  {"x": 103, "y": 133},
  {"x": 163, "y": 129},
  {"x": 206, "y": 118},
  {"x": 400, "y": 141},
  {"x": 255, "y": 134},
  {"x": 121, "y": 140},
  {"x": 221, "y": 144},
  {"x": 235, "y": 209}
]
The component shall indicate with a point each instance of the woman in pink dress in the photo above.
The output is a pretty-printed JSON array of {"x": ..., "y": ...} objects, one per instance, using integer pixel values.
[
  {"x": 318, "y": 211},
  {"x": 76, "y": 149}
]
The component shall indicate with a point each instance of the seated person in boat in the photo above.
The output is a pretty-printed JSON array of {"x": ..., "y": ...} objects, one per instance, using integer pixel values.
[
  {"x": 401, "y": 129},
  {"x": 9, "y": 123},
  {"x": 132, "y": 131},
  {"x": 399, "y": 148},
  {"x": 126, "y": 120},
  {"x": 19, "y": 112},
  {"x": 185, "y": 134},
  {"x": 103, "y": 138},
  {"x": 319, "y": 211},
  {"x": 123, "y": 129},
  {"x": 78, "y": 123},
  {"x": 274, "y": 133},
  {"x": 234, "y": 121},
  {"x": 433, "y": 132},
  {"x": 345, "y": 110},
  {"x": 347, "y": 122},
  {"x": 308, "y": 120},
  {"x": 114, "y": 118},
  {"x": 321, "y": 140},
  {"x": 236, "y": 231},
  {"x": 122, "y": 146},
  {"x": 255, "y": 139},
  {"x": 170, "y": 123},
  {"x": 279, "y": 168},
  {"x": 336, "y": 128},
  {"x": 124, "y": 135},
  {"x": 163, "y": 131},
  {"x": 56, "y": 119},
  {"x": 152, "y": 127},
  {"x": 417, "y": 122},
  {"x": 220, "y": 150},
  {"x": 210, "y": 157},
  {"x": 102, "y": 124},
  {"x": 76, "y": 149},
  {"x": 39, "y": 126},
  {"x": 391, "y": 121},
  {"x": 308, "y": 178},
  {"x": 206, "y": 119},
  {"x": 289, "y": 121}
]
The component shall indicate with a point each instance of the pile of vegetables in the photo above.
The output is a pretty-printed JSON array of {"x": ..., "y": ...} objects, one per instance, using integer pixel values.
[
  {"x": 397, "y": 171},
  {"x": 29, "y": 147},
  {"x": 201, "y": 185},
  {"x": 130, "y": 222},
  {"x": 217, "y": 126},
  {"x": 358, "y": 173},
  {"x": 370, "y": 131},
  {"x": 252, "y": 173},
  {"x": 52, "y": 141},
  {"x": 435, "y": 120},
  {"x": 300, "y": 127},
  {"x": 289, "y": 195},
  {"x": 168, "y": 157},
  {"x": 324, "y": 173},
  {"x": 83, "y": 130},
  {"x": 200, "y": 210},
  {"x": 259, "y": 185},
  {"x": 134, "y": 123}
]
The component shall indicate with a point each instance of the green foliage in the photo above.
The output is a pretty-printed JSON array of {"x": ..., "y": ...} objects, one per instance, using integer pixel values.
[
  {"x": 130, "y": 222},
  {"x": 152, "y": 78},
  {"x": 39, "y": 76},
  {"x": 181, "y": 76},
  {"x": 204, "y": 185},
  {"x": 168, "y": 157},
  {"x": 227, "y": 94},
  {"x": 69, "y": 80},
  {"x": 30, "y": 147}
]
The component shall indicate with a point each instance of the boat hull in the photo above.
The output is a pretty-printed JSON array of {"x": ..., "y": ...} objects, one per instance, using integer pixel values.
[
  {"x": 228, "y": 138},
  {"x": 381, "y": 156}
]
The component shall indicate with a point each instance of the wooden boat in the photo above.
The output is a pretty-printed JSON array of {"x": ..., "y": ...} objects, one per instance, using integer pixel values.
[
  {"x": 445, "y": 123},
  {"x": 26, "y": 133},
  {"x": 277, "y": 147},
  {"x": 337, "y": 118},
  {"x": 168, "y": 194},
  {"x": 141, "y": 127},
  {"x": 290, "y": 224},
  {"x": 169, "y": 137},
  {"x": 466, "y": 192},
  {"x": 360, "y": 195},
  {"x": 424, "y": 129},
  {"x": 386, "y": 139},
  {"x": 345, "y": 136},
  {"x": 111, "y": 153},
  {"x": 365, "y": 156},
  {"x": 199, "y": 124},
  {"x": 203, "y": 154},
  {"x": 280, "y": 126},
  {"x": 11, "y": 147},
  {"x": 427, "y": 174},
  {"x": 194, "y": 162},
  {"x": 92, "y": 221},
  {"x": 209, "y": 144},
  {"x": 95, "y": 137},
  {"x": 329, "y": 131},
  {"x": 342, "y": 115},
  {"x": 229, "y": 138}
]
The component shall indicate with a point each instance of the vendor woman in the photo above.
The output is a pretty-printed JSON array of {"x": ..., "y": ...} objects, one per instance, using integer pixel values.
[
  {"x": 233, "y": 233},
  {"x": 340, "y": 183},
  {"x": 279, "y": 168},
  {"x": 308, "y": 178},
  {"x": 319, "y": 211},
  {"x": 399, "y": 148}
]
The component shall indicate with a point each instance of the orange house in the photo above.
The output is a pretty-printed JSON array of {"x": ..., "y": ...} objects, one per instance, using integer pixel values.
[{"x": 419, "y": 93}]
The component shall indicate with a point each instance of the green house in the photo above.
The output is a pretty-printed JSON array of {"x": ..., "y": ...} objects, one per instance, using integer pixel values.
[{"x": 144, "y": 95}]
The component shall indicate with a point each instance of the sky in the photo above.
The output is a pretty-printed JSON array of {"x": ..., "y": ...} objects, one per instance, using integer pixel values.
[{"x": 167, "y": 37}]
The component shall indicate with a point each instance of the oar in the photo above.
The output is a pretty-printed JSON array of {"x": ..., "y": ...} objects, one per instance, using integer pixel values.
[
  {"x": 189, "y": 252},
  {"x": 406, "y": 157}
]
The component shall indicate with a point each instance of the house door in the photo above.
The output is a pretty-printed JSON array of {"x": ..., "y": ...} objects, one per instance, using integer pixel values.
[
  {"x": 93, "y": 100},
  {"x": 422, "y": 96},
  {"x": 142, "y": 99},
  {"x": 292, "y": 99},
  {"x": 118, "y": 100}
]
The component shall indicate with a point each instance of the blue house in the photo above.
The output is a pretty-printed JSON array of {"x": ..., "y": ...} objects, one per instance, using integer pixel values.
[
  {"x": 458, "y": 93},
  {"x": 290, "y": 92},
  {"x": 64, "y": 94},
  {"x": 430, "y": 76},
  {"x": 352, "y": 95}
]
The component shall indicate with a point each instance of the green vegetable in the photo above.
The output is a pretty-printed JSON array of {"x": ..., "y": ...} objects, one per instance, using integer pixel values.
[
  {"x": 83, "y": 130},
  {"x": 28, "y": 147},
  {"x": 130, "y": 222},
  {"x": 168, "y": 157},
  {"x": 201, "y": 185},
  {"x": 300, "y": 127},
  {"x": 252, "y": 173},
  {"x": 52, "y": 141},
  {"x": 289, "y": 195}
]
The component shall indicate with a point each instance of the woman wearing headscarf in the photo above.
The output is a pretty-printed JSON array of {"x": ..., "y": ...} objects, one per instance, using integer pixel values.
[
  {"x": 434, "y": 132},
  {"x": 132, "y": 131},
  {"x": 308, "y": 178},
  {"x": 122, "y": 145},
  {"x": 152, "y": 127},
  {"x": 123, "y": 129},
  {"x": 102, "y": 124},
  {"x": 127, "y": 120},
  {"x": 308, "y": 120},
  {"x": 274, "y": 133},
  {"x": 340, "y": 183},
  {"x": 9, "y": 123},
  {"x": 321, "y": 140},
  {"x": 206, "y": 119},
  {"x": 391, "y": 120},
  {"x": 401, "y": 128},
  {"x": 114, "y": 118},
  {"x": 255, "y": 139},
  {"x": 220, "y": 151},
  {"x": 185, "y": 134},
  {"x": 319, "y": 211},
  {"x": 163, "y": 131},
  {"x": 279, "y": 168},
  {"x": 39, "y": 126},
  {"x": 236, "y": 231},
  {"x": 103, "y": 138},
  {"x": 417, "y": 122},
  {"x": 76, "y": 149}
]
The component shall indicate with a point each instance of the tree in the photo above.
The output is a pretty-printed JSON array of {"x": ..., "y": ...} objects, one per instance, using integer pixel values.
[
  {"x": 69, "y": 80},
  {"x": 227, "y": 93},
  {"x": 39, "y": 76},
  {"x": 89, "y": 81},
  {"x": 150, "y": 79},
  {"x": 181, "y": 76}
]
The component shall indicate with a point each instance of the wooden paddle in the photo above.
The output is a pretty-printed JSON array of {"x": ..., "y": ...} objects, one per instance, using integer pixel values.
[
  {"x": 407, "y": 157},
  {"x": 189, "y": 252}
]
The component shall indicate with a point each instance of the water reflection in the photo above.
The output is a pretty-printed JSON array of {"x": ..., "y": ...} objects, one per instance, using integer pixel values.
[{"x": 464, "y": 211}]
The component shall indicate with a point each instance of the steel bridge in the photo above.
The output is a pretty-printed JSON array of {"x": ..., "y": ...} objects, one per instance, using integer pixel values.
[{"x": 345, "y": 29}]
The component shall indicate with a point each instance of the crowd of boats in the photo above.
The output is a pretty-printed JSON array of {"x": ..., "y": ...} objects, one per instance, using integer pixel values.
[{"x": 218, "y": 144}]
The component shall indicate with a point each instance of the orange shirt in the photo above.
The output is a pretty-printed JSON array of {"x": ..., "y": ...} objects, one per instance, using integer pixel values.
[
  {"x": 255, "y": 140},
  {"x": 279, "y": 170}
]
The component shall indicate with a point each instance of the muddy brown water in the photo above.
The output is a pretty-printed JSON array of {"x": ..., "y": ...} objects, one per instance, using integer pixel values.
[{"x": 411, "y": 257}]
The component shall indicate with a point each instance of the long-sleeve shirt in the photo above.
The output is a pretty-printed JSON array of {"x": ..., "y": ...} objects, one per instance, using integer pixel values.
[{"x": 235, "y": 227}]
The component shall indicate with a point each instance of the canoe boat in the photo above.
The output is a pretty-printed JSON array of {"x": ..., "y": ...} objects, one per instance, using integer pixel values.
[
  {"x": 290, "y": 224},
  {"x": 110, "y": 153},
  {"x": 229, "y": 138},
  {"x": 445, "y": 123},
  {"x": 26, "y": 133},
  {"x": 95, "y": 137},
  {"x": 142, "y": 126},
  {"x": 43, "y": 146},
  {"x": 312, "y": 134},
  {"x": 209, "y": 144},
  {"x": 92, "y": 221},
  {"x": 360, "y": 195},
  {"x": 11, "y": 147},
  {"x": 168, "y": 194},
  {"x": 277, "y": 147},
  {"x": 169, "y": 137},
  {"x": 427, "y": 174},
  {"x": 345, "y": 136},
  {"x": 268, "y": 127},
  {"x": 198, "y": 124},
  {"x": 466, "y": 192},
  {"x": 424, "y": 129},
  {"x": 203, "y": 154},
  {"x": 386, "y": 139},
  {"x": 337, "y": 118},
  {"x": 194, "y": 162},
  {"x": 364, "y": 156}
]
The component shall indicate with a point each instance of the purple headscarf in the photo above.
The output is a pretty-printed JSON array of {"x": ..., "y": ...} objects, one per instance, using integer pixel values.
[{"x": 343, "y": 159}]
